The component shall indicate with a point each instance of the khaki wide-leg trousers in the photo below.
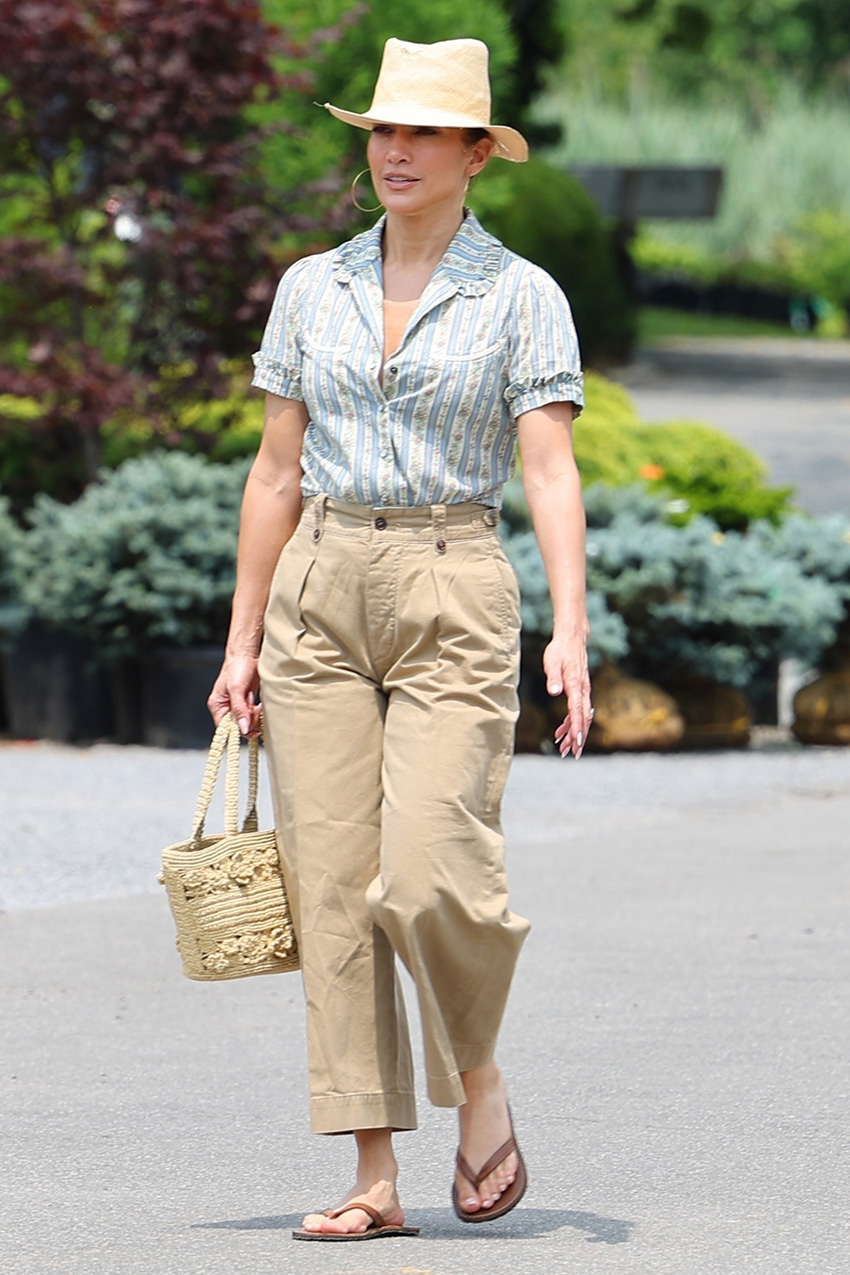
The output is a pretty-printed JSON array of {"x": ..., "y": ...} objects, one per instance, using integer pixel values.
[{"x": 389, "y": 673}]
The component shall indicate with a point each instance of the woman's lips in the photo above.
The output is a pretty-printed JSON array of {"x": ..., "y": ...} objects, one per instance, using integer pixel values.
[{"x": 397, "y": 182}]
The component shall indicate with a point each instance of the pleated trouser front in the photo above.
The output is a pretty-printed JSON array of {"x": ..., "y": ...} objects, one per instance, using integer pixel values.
[{"x": 389, "y": 673}]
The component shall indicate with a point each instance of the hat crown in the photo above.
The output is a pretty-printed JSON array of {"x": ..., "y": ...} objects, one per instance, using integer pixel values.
[{"x": 451, "y": 75}]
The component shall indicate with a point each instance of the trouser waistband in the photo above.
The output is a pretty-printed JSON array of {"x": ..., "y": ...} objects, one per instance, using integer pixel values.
[{"x": 456, "y": 520}]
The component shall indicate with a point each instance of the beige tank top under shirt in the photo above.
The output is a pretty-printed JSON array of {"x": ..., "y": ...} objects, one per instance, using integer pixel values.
[{"x": 397, "y": 315}]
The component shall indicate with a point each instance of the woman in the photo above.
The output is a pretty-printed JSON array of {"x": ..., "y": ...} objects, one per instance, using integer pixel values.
[{"x": 400, "y": 370}]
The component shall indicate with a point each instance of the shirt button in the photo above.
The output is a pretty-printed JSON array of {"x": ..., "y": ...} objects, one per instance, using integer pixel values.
[
  {"x": 380, "y": 523},
  {"x": 393, "y": 371},
  {"x": 384, "y": 453}
]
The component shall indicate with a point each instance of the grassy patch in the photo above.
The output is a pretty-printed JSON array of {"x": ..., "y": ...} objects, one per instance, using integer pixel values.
[{"x": 655, "y": 322}]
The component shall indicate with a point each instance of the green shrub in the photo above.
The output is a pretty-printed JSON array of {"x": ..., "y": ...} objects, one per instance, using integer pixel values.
[
  {"x": 699, "y": 469},
  {"x": 606, "y": 437},
  {"x": 816, "y": 253},
  {"x": 820, "y": 548},
  {"x": 700, "y": 601},
  {"x": 608, "y": 639},
  {"x": 546, "y": 216},
  {"x": 694, "y": 600},
  {"x": 223, "y": 429},
  {"x": 714, "y": 473},
  {"x": 146, "y": 556},
  {"x": 13, "y": 612}
]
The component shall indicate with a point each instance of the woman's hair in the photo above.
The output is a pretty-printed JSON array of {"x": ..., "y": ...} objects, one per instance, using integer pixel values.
[{"x": 471, "y": 136}]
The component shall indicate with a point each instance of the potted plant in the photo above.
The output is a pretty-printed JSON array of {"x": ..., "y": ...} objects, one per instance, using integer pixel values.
[
  {"x": 701, "y": 604},
  {"x": 12, "y": 610},
  {"x": 50, "y": 683},
  {"x": 143, "y": 565},
  {"x": 820, "y": 547}
]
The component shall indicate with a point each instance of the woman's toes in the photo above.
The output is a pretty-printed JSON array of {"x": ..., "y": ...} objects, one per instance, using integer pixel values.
[{"x": 313, "y": 1222}]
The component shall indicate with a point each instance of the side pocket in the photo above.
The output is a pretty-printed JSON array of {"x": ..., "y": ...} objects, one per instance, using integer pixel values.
[
  {"x": 509, "y": 590},
  {"x": 283, "y": 623}
]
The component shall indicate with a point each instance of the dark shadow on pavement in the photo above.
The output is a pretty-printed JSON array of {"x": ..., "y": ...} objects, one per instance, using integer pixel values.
[{"x": 441, "y": 1224}]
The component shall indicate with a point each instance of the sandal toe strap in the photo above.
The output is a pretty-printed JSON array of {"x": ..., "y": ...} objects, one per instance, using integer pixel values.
[
  {"x": 487, "y": 1168},
  {"x": 376, "y": 1217}
]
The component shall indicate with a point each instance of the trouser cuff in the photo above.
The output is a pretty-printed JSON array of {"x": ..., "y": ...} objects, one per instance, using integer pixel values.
[
  {"x": 448, "y": 1091},
  {"x": 347, "y": 1112}
]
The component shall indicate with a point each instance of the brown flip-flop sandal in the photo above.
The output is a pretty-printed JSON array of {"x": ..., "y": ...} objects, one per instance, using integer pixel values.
[
  {"x": 377, "y": 1231},
  {"x": 509, "y": 1198}
]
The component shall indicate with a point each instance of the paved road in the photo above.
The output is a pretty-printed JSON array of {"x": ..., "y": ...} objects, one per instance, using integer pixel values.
[
  {"x": 677, "y": 1042},
  {"x": 789, "y": 401}
]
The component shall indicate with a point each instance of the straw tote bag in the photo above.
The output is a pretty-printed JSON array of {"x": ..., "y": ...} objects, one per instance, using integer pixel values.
[{"x": 227, "y": 891}]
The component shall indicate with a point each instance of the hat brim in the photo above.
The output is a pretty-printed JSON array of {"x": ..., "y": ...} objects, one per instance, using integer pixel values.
[{"x": 508, "y": 143}]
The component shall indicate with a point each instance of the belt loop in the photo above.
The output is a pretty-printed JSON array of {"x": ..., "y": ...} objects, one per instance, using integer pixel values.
[
  {"x": 438, "y": 523},
  {"x": 319, "y": 517}
]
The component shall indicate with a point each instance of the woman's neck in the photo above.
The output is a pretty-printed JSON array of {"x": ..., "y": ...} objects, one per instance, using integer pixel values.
[{"x": 419, "y": 242}]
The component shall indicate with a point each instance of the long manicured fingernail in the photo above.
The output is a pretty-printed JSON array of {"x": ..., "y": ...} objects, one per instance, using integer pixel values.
[
  {"x": 244, "y": 725},
  {"x": 580, "y": 740}
]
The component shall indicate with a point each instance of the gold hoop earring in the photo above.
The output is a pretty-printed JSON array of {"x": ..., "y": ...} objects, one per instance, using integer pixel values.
[{"x": 354, "y": 194}]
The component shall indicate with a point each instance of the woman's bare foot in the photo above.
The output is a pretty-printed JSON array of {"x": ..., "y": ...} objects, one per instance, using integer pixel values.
[
  {"x": 484, "y": 1126},
  {"x": 375, "y": 1184}
]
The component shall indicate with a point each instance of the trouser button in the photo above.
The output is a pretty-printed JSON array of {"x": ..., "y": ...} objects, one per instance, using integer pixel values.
[
  {"x": 380, "y": 523},
  {"x": 441, "y": 546}
]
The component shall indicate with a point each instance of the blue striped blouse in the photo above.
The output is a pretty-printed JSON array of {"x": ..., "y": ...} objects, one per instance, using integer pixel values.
[{"x": 492, "y": 337}]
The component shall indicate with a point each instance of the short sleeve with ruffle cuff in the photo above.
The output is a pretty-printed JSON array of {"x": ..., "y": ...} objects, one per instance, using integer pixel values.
[
  {"x": 544, "y": 362},
  {"x": 563, "y": 387},
  {"x": 274, "y": 377},
  {"x": 277, "y": 363}
]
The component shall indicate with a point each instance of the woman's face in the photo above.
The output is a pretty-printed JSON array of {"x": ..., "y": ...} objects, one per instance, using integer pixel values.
[{"x": 415, "y": 169}]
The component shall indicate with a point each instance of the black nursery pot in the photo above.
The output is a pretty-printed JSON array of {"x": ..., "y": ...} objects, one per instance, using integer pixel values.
[
  {"x": 54, "y": 688},
  {"x": 175, "y": 687}
]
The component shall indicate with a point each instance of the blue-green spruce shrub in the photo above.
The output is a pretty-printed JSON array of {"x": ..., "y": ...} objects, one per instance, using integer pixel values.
[
  {"x": 608, "y": 639},
  {"x": 698, "y": 600},
  {"x": 13, "y": 611},
  {"x": 145, "y": 557}
]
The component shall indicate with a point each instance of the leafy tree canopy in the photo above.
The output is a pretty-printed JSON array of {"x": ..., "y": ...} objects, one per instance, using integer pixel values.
[
  {"x": 699, "y": 45},
  {"x": 136, "y": 236}
]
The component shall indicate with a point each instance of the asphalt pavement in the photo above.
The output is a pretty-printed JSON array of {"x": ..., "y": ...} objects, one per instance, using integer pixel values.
[{"x": 676, "y": 1042}]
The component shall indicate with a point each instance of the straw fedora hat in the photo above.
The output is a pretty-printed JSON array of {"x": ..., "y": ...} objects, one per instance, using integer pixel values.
[{"x": 444, "y": 84}]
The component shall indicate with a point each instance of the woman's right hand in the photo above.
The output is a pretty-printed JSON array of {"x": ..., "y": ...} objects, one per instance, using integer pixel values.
[{"x": 235, "y": 691}]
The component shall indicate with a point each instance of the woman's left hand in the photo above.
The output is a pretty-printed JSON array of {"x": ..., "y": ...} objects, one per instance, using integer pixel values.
[{"x": 565, "y": 666}]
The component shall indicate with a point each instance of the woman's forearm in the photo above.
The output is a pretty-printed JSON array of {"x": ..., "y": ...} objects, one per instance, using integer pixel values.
[
  {"x": 553, "y": 492},
  {"x": 559, "y": 524},
  {"x": 271, "y": 507}
]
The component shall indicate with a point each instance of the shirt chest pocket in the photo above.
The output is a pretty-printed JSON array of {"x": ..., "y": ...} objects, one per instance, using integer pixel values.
[
  {"x": 334, "y": 340},
  {"x": 460, "y": 373},
  {"x": 472, "y": 350},
  {"x": 326, "y": 369}
]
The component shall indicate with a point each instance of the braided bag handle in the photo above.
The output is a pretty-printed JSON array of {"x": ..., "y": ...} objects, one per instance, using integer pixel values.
[{"x": 226, "y": 740}]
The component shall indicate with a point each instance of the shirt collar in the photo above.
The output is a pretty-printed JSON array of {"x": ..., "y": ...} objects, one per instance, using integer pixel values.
[{"x": 472, "y": 259}]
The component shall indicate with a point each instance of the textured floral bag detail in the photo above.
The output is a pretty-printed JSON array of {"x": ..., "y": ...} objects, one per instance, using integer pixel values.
[{"x": 227, "y": 892}]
